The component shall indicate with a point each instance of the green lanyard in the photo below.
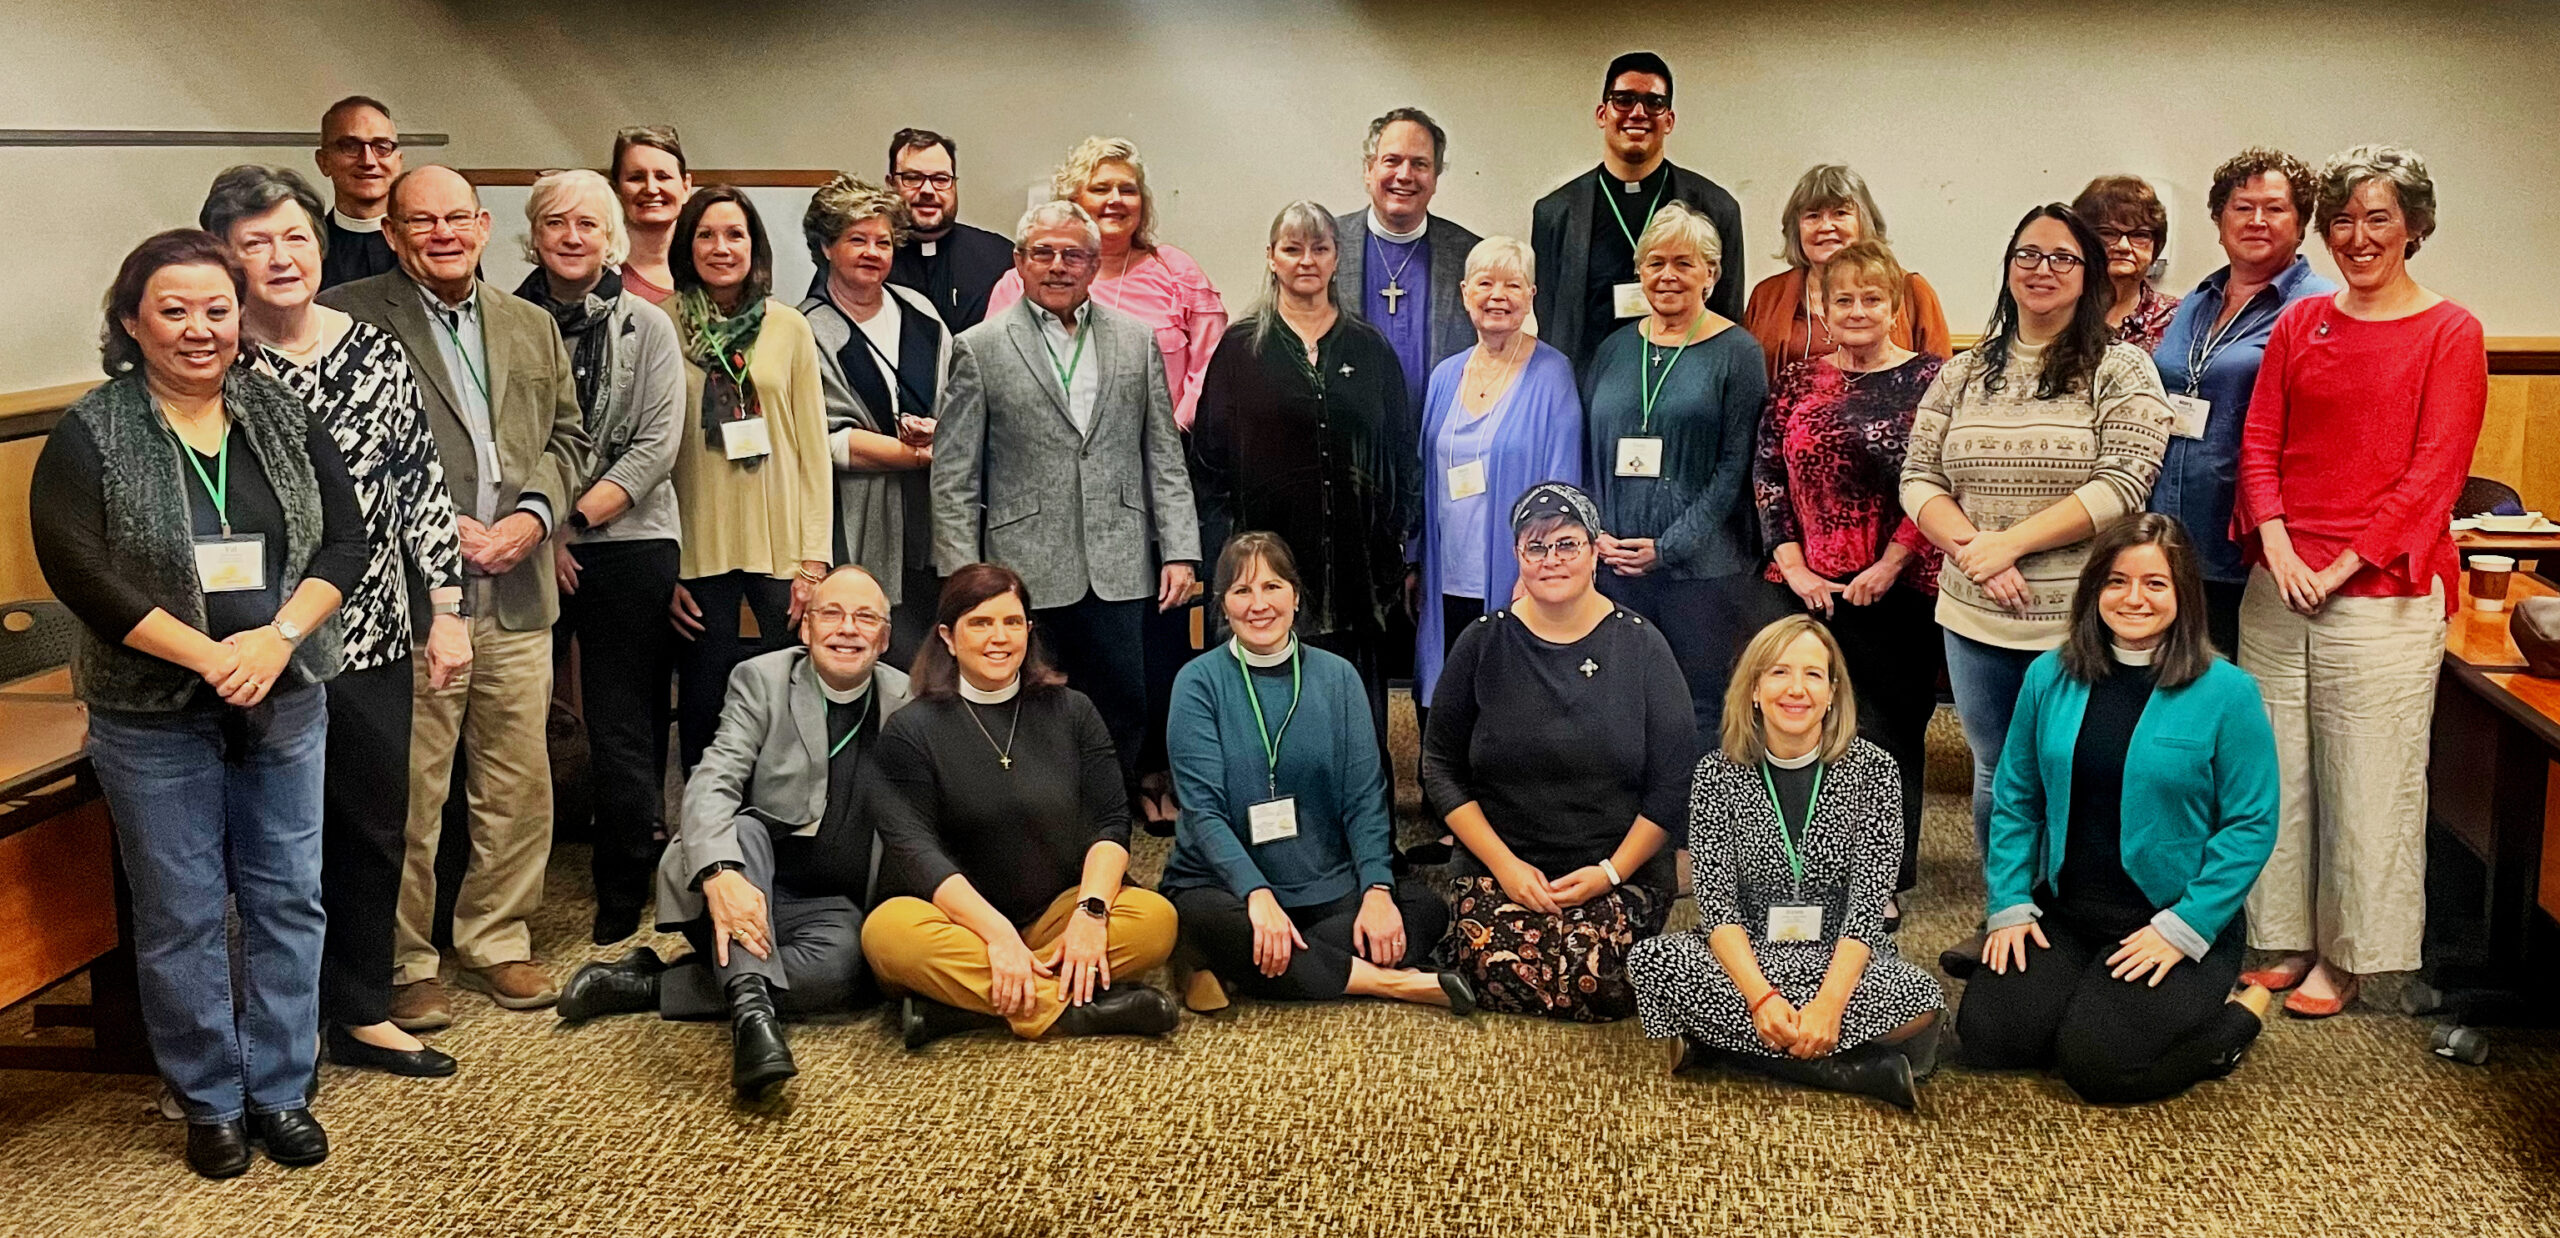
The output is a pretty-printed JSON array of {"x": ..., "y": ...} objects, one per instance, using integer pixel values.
[
  {"x": 1650, "y": 390},
  {"x": 478, "y": 383},
  {"x": 1066, "y": 373},
  {"x": 1271, "y": 742},
  {"x": 1794, "y": 861},
  {"x": 838, "y": 746},
  {"x": 217, "y": 484},
  {"x": 1612, "y": 200}
]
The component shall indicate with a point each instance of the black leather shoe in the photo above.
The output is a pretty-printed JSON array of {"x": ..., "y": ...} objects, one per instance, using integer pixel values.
[
  {"x": 1964, "y": 958},
  {"x": 419, "y": 1063},
  {"x": 626, "y": 987},
  {"x": 1461, "y": 991},
  {"x": 1696, "y": 1054},
  {"x": 1883, "y": 1076},
  {"x": 761, "y": 1058},
  {"x": 218, "y": 1149},
  {"x": 1430, "y": 854},
  {"x": 922, "y": 1021},
  {"x": 1121, "y": 1010},
  {"x": 293, "y": 1137}
]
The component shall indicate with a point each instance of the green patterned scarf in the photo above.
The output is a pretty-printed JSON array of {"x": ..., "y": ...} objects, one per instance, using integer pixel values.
[{"x": 721, "y": 345}]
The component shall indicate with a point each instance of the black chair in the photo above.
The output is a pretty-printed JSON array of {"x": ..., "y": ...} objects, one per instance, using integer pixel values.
[
  {"x": 2480, "y": 494},
  {"x": 35, "y": 636}
]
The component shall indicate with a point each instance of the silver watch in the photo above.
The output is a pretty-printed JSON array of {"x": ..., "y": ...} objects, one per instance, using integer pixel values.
[{"x": 284, "y": 628}]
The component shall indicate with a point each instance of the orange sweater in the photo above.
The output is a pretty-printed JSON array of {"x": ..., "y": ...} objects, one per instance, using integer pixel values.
[{"x": 1777, "y": 319}]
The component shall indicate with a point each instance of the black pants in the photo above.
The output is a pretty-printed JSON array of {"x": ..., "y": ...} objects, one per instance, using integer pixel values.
[
  {"x": 1707, "y": 622},
  {"x": 2222, "y": 615},
  {"x": 2113, "y": 1041},
  {"x": 363, "y": 840},
  {"x": 1895, "y": 653},
  {"x": 1366, "y": 652},
  {"x": 1167, "y": 636},
  {"x": 1457, "y": 614},
  {"x": 1216, "y": 926},
  {"x": 1102, "y": 648},
  {"x": 618, "y": 619},
  {"x": 911, "y": 619},
  {"x": 703, "y": 663}
]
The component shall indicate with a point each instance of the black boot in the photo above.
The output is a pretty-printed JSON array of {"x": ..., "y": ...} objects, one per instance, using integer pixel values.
[
  {"x": 922, "y": 1021},
  {"x": 218, "y": 1149},
  {"x": 1697, "y": 1055},
  {"x": 1886, "y": 1076},
  {"x": 1962, "y": 959},
  {"x": 762, "y": 1059},
  {"x": 1121, "y": 1010},
  {"x": 626, "y": 987},
  {"x": 293, "y": 1137}
]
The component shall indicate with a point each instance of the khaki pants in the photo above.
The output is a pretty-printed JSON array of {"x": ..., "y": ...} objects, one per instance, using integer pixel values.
[
  {"x": 497, "y": 712},
  {"x": 2351, "y": 692},
  {"x": 914, "y": 948}
]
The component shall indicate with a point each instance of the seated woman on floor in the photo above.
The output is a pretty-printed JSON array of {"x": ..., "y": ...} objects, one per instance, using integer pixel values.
[
  {"x": 2136, "y": 803},
  {"x": 1560, "y": 736},
  {"x": 1281, "y": 859},
  {"x": 1006, "y": 830},
  {"x": 1795, "y": 839}
]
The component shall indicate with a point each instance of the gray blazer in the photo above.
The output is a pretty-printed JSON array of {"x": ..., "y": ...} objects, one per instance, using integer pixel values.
[
  {"x": 639, "y": 423},
  {"x": 1452, "y": 332},
  {"x": 766, "y": 768},
  {"x": 870, "y": 508},
  {"x": 1013, "y": 483},
  {"x": 541, "y": 433}
]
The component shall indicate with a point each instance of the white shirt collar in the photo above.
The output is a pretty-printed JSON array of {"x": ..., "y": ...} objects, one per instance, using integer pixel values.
[
  {"x": 350, "y": 223},
  {"x": 839, "y": 696},
  {"x": 436, "y": 304},
  {"x": 2132, "y": 657},
  {"x": 979, "y": 696},
  {"x": 1278, "y": 657},
  {"x": 1378, "y": 228},
  {"x": 1811, "y": 755}
]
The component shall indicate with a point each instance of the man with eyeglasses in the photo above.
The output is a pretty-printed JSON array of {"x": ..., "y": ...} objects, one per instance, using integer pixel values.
[
  {"x": 773, "y": 864},
  {"x": 1400, "y": 265},
  {"x": 360, "y": 154},
  {"x": 1585, "y": 232},
  {"x": 1056, "y": 455},
  {"x": 502, "y": 400},
  {"x": 954, "y": 265}
]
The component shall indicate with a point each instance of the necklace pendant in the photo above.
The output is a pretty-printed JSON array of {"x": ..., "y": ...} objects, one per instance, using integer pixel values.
[
  {"x": 1392, "y": 294},
  {"x": 1004, "y": 761},
  {"x": 1588, "y": 668}
]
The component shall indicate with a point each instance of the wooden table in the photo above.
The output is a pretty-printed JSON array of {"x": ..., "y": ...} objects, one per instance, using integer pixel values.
[
  {"x": 64, "y": 904},
  {"x": 2469, "y": 542},
  {"x": 2493, "y": 785},
  {"x": 2480, "y": 638}
]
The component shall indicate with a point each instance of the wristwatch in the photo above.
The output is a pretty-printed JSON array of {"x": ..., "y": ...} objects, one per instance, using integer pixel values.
[
  {"x": 578, "y": 520},
  {"x": 284, "y": 628},
  {"x": 1094, "y": 907}
]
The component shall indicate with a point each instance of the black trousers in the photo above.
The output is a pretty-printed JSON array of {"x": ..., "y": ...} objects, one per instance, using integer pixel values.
[
  {"x": 1707, "y": 622},
  {"x": 1220, "y": 932},
  {"x": 618, "y": 619},
  {"x": 364, "y": 829},
  {"x": 911, "y": 620},
  {"x": 2222, "y": 615},
  {"x": 1895, "y": 653},
  {"x": 1167, "y": 635},
  {"x": 2113, "y": 1041},
  {"x": 1102, "y": 648},
  {"x": 703, "y": 663},
  {"x": 1456, "y": 614},
  {"x": 1366, "y": 652}
]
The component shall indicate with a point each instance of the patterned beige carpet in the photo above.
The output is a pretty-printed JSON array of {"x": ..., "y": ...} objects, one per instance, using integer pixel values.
[{"x": 1358, "y": 1119}]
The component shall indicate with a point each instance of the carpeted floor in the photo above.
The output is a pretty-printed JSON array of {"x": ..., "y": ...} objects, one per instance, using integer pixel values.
[{"x": 1356, "y": 1119}]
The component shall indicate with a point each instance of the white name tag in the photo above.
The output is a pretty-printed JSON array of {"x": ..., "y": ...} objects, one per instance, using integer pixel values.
[
  {"x": 231, "y": 564},
  {"x": 1795, "y": 923},
  {"x": 1466, "y": 481},
  {"x": 2188, "y": 415},
  {"x": 1630, "y": 301},
  {"x": 746, "y": 440},
  {"x": 1639, "y": 457},
  {"x": 1274, "y": 820}
]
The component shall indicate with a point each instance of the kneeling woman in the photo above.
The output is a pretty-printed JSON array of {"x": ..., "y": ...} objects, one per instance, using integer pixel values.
[
  {"x": 1005, "y": 823},
  {"x": 2135, "y": 805},
  {"x": 1281, "y": 859},
  {"x": 1560, "y": 735},
  {"x": 1795, "y": 839}
]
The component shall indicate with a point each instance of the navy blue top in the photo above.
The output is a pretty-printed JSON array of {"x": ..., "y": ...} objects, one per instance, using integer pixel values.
[{"x": 1707, "y": 415}]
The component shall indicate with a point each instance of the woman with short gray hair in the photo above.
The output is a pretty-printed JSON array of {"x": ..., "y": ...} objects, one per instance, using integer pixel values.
[
  {"x": 616, "y": 561},
  {"x": 883, "y": 354},
  {"x": 1829, "y": 210},
  {"x": 2367, "y": 408},
  {"x": 357, "y": 382}
]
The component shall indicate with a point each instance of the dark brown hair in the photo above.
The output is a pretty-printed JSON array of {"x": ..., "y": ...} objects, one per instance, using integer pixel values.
[
  {"x": 118, "y": 352},
  {"x": 936, "y": 674},
  {"x": 2300, "y": 183},
  {"x": 1245, "y": 548},
  {"x": 680, "y": 249},
  {"x": 655, "y": 137},
  {"x": 2186, "y": 652},
  {"x": 919, "y": 139},
  {"x": 2125, "y": 202},
  {"x": 2071, "y": 360}
]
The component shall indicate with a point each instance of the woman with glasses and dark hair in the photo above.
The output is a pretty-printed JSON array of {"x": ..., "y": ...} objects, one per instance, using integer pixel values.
[
  {"x": 2136, "y": 804},
  {"x": 753, "y": 485},
  {"x": 1558, "y": 754},
  {"x": 2134, "y": 229},
  {"x": 2025, "y": 447}
]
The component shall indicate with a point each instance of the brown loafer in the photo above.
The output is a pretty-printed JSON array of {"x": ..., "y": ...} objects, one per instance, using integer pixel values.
[
  {"x": 421, "y": 1006},
  {"x": 515, "y": 986}
]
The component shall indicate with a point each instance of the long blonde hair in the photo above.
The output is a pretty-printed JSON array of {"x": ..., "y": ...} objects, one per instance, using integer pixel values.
[{"x": 1742, "y": 742}]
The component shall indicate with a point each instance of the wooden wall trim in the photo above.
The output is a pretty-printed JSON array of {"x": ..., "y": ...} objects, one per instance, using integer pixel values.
[{"x": 744, "y": 178}]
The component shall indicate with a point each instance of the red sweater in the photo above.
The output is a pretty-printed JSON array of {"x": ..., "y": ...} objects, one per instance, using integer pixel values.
[{"x": 2359, "y": 437}]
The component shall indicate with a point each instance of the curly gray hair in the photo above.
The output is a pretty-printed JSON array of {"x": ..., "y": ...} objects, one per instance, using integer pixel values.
[{"x": 2401, "y": 166}]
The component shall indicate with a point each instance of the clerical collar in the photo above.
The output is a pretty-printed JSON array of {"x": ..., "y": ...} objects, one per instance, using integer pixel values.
[
  {"x": 844, "y": 696},
  {"x": 349, "y": 223},
  {"x": 979, "y": 696},
  {"x": 1278, "y": 657},
  {"x": 1659, "y": 171},
  {"x": 2132, "y": 657},
  {"x": 1379, "y": 229},
  {"x": 1811, "y": 755}
]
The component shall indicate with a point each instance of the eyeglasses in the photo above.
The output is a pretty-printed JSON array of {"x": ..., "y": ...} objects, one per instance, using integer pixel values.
[
  {"x": 830, "y": 618},
  {"x": 1562, "y": 550},
  {"x": 422, "y": 225},
  {"x": 2026, "y": 258},
  {"x": 1628, "y": 102},
  {"x": 354, "y": 148},
  {"x": 918, "y": 180},
  {"x": 2116, "y": 236},
  {"x": 1071, "y": 259}
]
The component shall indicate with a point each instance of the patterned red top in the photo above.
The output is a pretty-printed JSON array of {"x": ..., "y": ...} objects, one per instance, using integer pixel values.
[
  {"x": 1827, "y": 473},
  {"x": 2152, "y": 310}
]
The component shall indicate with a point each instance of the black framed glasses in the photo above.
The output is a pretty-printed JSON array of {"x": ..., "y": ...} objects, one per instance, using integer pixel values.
[
  {"x": 354, "y": 148},
  {"x": 1629, "y": 102},
  {"x": 2113, "y": 237},
  {"x": 2028, "y": 258},
  {"x": 918, "y": 180}
]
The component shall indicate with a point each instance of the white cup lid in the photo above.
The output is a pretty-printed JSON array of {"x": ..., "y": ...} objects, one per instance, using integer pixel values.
[{"x": 2493, "y": 563}]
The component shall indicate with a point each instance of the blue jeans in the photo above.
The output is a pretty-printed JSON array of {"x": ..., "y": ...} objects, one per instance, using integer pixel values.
[
  {"x": 196, "y": 829},
  {"x": 1986, "y": 679}
]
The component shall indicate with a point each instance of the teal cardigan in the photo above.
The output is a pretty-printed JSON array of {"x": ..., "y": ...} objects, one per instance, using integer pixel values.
[{"x": 2199, "y": 799}]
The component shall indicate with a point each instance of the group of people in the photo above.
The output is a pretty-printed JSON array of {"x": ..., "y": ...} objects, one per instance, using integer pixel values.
[{"x": 919, "y": 553}]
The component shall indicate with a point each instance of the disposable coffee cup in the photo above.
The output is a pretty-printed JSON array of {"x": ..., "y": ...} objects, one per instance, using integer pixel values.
[{"x": 2490, "y": 576}]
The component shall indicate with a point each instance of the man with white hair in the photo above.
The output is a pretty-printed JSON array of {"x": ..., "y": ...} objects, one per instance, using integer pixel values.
[{"x": 1056, "y": 455}]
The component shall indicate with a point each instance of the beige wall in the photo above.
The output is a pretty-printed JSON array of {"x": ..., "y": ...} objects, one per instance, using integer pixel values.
[{"x": 1960, "y": 120}]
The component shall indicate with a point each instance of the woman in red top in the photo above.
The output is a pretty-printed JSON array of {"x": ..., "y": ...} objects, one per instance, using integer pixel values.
[{"x": 2359, "y": 436}]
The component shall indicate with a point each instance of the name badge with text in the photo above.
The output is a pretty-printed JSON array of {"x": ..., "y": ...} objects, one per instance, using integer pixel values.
[
  {"x": 1639, "y": 457},
  {"x": 1796, "y": 922},
  {"x": 1629, "y": 298},
  {"x": 231, "y": 564},
  {"x": 1274, "y": 820},
  {"x": 2188, "y": 415},
  {"x": 1466, "y": 481},
  {"x": 746, "y": 440}
]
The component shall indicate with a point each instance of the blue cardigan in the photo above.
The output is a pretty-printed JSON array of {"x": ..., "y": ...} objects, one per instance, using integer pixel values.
[
  {"x": 2199, "y": 799},
  {"x": 1328, "y": 760}
]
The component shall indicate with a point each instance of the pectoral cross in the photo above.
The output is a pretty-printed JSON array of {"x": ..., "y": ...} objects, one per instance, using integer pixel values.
[
  {"x": 1392, "y": 295},
  {"x": 1588, "y": 666}
]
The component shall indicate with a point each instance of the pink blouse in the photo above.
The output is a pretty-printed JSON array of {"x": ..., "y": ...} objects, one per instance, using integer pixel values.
[{"x": 1168, "y": 292}]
